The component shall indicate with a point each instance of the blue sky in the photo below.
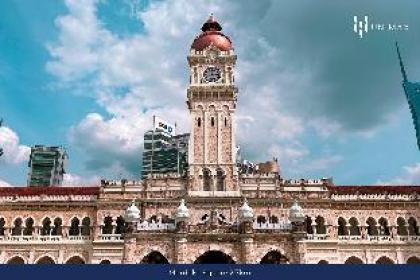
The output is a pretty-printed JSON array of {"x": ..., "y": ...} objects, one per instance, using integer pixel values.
[{"x": 89, "y": 75}]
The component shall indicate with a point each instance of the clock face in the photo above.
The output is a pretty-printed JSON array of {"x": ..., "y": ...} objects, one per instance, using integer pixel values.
[{"x": 212, "y": 74}]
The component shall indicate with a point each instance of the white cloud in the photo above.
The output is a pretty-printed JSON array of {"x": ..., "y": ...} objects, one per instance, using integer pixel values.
[
  {"x": 74, "y": 180},
  {"x": 4, "y": 184},
  {"x": 14, "y": 152},
  {"x": 410, "y": 176},
  {"x": 134, "y": 77}
]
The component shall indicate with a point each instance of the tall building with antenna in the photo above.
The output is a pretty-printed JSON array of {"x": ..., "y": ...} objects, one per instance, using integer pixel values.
[{"x": 412, "y": 92}]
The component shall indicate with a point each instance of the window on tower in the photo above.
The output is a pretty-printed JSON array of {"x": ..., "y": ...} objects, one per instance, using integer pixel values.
[
  {"x": 206, "y": 180},
  {"x": 212, "y": 121},
  {"x": 199, "y": 122}
]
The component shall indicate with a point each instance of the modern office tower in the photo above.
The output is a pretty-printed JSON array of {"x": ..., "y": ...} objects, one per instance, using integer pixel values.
[
  {"x": 47, "y": 166},
  {"x": 412, "y": 92},
  {"x": 164, "y": 153}
]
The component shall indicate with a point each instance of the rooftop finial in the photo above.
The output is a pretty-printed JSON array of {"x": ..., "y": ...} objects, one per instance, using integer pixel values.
[{"x": 404, "y": 74}]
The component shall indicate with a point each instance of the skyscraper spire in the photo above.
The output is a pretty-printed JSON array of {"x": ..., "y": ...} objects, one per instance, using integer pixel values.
[{"x": 404, "y": 74}]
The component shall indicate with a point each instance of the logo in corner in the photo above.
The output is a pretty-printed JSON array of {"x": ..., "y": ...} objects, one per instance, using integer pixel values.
[{"x": 360, "y": 27}]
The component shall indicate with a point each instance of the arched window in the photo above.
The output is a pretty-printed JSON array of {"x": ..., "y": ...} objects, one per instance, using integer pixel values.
[
  {"x": 105, "y": 262},
  {"x": 320, "y": 225},
  {"x": 206, "y": 180},
  {"x": 401, "y": 226},
  {"x": 2, "y": 223},
  {"x": 16, "y": 260},
  {"x": 354, "y": 226},
  {"x": 384, "y": 260},
  {"x": 45, "y": 260},
  {"x": 75, "y": 260},
  {"x": 342, "y": 227},
  {"x": 261, "y": 219},
  {"x": 322, "y": 262},
  {"x": 199, "y": 122},
  {"x": 86, "y": 226},
  {"x": 273, "y": 219},
  {"x": 371, "y": 229},
  {"x": 107, "y": 227},
  {"x": 413, "y": 260},
  {"x": 29, "y": 226},
  {"x": 212, "y": 121},
  {"x": 383, "y": 226},
  {"x": 308, "y": 225},
  {"x": 155, "y": 257},
  {"x": 74, "y": 227},
  {"x": 412, "y": 226},
  {"x": 220, "y": 180},
  {"x": 214, "y": 257},
  {"x": 46, "y": 227},
  {"x": 153, "y": 219},
  {"x": 353, "y": 260},
  {"x": 17, "y": 227},
  {"x": 274, "y": 257},
  {"x": 120, "y": 228},
  {"x": 58, "y": 229},
  {"x": 225, "y": 121}
]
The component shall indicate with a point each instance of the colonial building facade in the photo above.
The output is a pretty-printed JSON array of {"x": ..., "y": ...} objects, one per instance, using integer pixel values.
[{"x": 216, "y": 212}]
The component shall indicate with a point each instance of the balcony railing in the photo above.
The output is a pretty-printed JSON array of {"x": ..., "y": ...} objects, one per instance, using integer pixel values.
[
  {"x": 317, "y": 236},
  {"x": 111, "y": 237},
  {"x": 42, "y": 238},
  {"x": 282, "y": 226},
  {"x": 152, "y": 226}
]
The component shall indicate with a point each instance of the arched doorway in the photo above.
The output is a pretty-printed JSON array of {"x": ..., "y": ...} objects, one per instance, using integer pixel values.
[
  {"x": 16, "y": 260},
  {"x": 322, "y": 262},
  {"x": 353, "y": 260},
  {"x": 45, "y": 260},
  {"x": 155, "y": 257},
  {"x": 214, "y": 257},
  {"x": 413, "y": 260},
  {"x": 105, "y": 262},
  {"x": 274, "y": 257},
  {"x": 75, "y": 260},
  {"x": 384, "y": 260}
]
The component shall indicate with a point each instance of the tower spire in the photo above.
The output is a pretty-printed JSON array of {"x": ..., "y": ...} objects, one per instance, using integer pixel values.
[{"x": 404, "y": 74}]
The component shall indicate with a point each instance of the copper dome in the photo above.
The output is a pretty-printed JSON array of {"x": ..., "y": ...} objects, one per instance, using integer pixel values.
[{"x": 211, "y": 35}]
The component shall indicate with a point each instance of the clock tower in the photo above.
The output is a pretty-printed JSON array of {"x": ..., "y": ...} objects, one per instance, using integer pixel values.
[{"x": 212, "y": 101}]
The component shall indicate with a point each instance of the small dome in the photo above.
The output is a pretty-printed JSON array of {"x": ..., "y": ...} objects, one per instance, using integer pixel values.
[
  {"x": 132, "y": 213},
  {"x": 246, "y": 213},
  {"x": 211, "y": 35},
  {"x": 296, "y": 213},
  {"x": 182, "y": 211}
]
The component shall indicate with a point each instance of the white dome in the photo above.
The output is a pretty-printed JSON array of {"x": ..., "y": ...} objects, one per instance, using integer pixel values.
[
  {"x": 246, "y": 213},
  {"x": 182, "y": 211},
  {"x": 296, "y": 213},
  {"x": 132, "y": 213}
]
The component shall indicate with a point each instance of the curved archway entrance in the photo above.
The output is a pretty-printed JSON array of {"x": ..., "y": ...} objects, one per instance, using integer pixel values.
[
  {"x": 384, "y": 260},
  {"x": 105, "y": 262},
  {"x": 75, "y": 260},
  {"x": 16, "y": 260},
  {"x": 155, "y": 257},
  {"x": 45, "y": 260},
  {"x": 353, "y": 260},
  {"x": 213, "y": 257},
  {"x": 274, "y": 257},
  {"x": 413, "y": 260}
]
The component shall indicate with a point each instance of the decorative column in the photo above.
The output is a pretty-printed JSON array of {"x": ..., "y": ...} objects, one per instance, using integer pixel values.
[
  {"x": 182, "y": 216},
  {"x": 297, "y": 219},
  {"x": 245, "y": 219},
  {"x": 131, "y": 216}
]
